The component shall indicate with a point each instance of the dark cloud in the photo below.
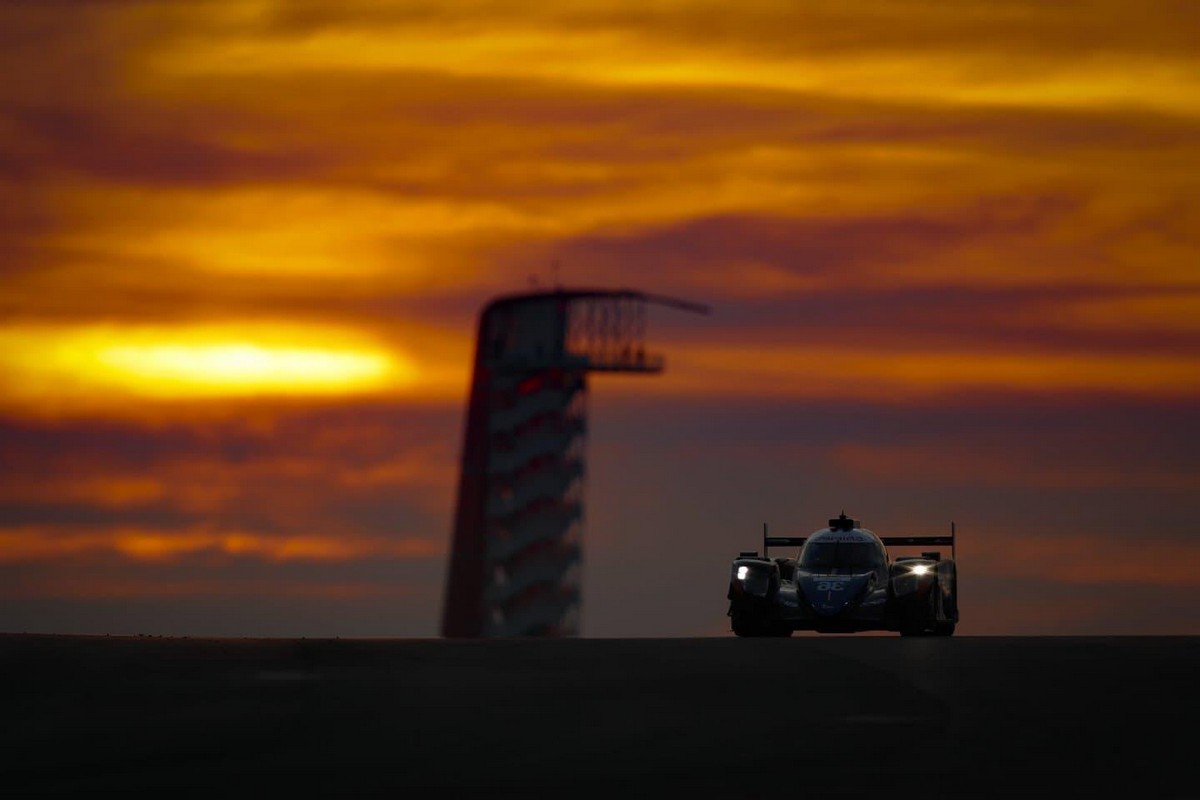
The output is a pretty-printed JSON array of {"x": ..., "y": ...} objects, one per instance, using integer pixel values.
[
  {"x": 958, "y": 318},
  {"x": 806, "y": 246},
  {"x": 144, "y": 146}
]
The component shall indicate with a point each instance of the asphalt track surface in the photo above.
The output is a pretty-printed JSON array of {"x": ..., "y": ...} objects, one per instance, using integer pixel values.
[{"x": 721, "y": 717}]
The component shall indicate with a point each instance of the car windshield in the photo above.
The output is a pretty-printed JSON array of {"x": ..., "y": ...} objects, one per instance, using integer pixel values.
[{"x": 844, "y": 557}]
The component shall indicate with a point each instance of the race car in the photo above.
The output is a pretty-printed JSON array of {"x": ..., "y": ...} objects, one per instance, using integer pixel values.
[{"x": 844, "y": 581}]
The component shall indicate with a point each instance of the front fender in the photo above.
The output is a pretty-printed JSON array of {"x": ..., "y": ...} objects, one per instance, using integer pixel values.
[{"x": 753, "y": 578}]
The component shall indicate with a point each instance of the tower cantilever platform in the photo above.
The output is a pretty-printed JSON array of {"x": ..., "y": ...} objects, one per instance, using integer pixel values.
[{"x": 515, "y": 559}]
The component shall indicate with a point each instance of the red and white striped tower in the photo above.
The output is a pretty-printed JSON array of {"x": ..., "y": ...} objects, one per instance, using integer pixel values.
[{"x": 515, "y": 560}]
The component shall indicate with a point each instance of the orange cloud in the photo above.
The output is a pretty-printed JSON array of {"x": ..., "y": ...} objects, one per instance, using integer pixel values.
[
  {"x": 97, "y": 587},
  {"x": 688, "y": 43},
  {"x": 881, "y": 374},
  {"x": 30, "y": 544},
  {"x": 338, "y": 171}
]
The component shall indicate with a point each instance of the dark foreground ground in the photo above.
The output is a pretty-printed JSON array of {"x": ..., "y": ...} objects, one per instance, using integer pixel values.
[{"x": 801, "y": 717}]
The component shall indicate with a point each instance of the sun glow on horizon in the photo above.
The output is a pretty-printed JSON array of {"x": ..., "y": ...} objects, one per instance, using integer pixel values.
[
  {"x": 198, "y": 361},
  {"x": 236, "y": 366}
]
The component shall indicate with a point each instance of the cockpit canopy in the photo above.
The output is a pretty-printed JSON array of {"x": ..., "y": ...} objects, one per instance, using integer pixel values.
[{"x": 842, "y": 555}]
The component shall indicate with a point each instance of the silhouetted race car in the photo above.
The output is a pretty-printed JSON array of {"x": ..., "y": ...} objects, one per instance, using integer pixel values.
[{"x": 844, "y": 581}]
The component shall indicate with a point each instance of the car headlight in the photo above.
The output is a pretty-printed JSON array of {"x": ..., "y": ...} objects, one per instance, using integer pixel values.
[
  {"x": 754, "y": 580},
  {"x": 920, "y": 569}
]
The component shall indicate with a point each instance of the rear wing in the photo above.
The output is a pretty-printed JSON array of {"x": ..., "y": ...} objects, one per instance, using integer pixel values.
[
  {"x": 921, "y": 541},
  {"x": 780, "y": 541},
  {"x": 888, "y": 541}
]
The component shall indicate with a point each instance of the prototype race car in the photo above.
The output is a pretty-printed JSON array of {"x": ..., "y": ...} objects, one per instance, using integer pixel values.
[{"x": 842, "y": 582}]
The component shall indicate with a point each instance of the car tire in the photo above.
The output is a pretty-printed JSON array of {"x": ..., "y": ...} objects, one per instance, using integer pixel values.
[
  {"x": 920, "y": 617},
  {"x": 744, "y": 627},
  {"x": 948, "y": 577},
  {"x": 948, "y": 603},
  {"x": 945, "y": 625},
  {"x": 944, "y": 628}
]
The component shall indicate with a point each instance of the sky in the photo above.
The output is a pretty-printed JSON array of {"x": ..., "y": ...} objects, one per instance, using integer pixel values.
[{"x": 951, "y": 252}]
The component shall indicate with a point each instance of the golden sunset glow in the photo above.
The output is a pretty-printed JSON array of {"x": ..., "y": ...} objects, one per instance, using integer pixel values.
[
  {"x": 625, "y": 55},
  {"x": 239, "y": 366},
  {"x": 951, "y": 251},
  {"x": 226, "y": 361}
]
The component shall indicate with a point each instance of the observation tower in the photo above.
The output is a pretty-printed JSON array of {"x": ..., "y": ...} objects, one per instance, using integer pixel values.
[{"x": 515, "y": 560}]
